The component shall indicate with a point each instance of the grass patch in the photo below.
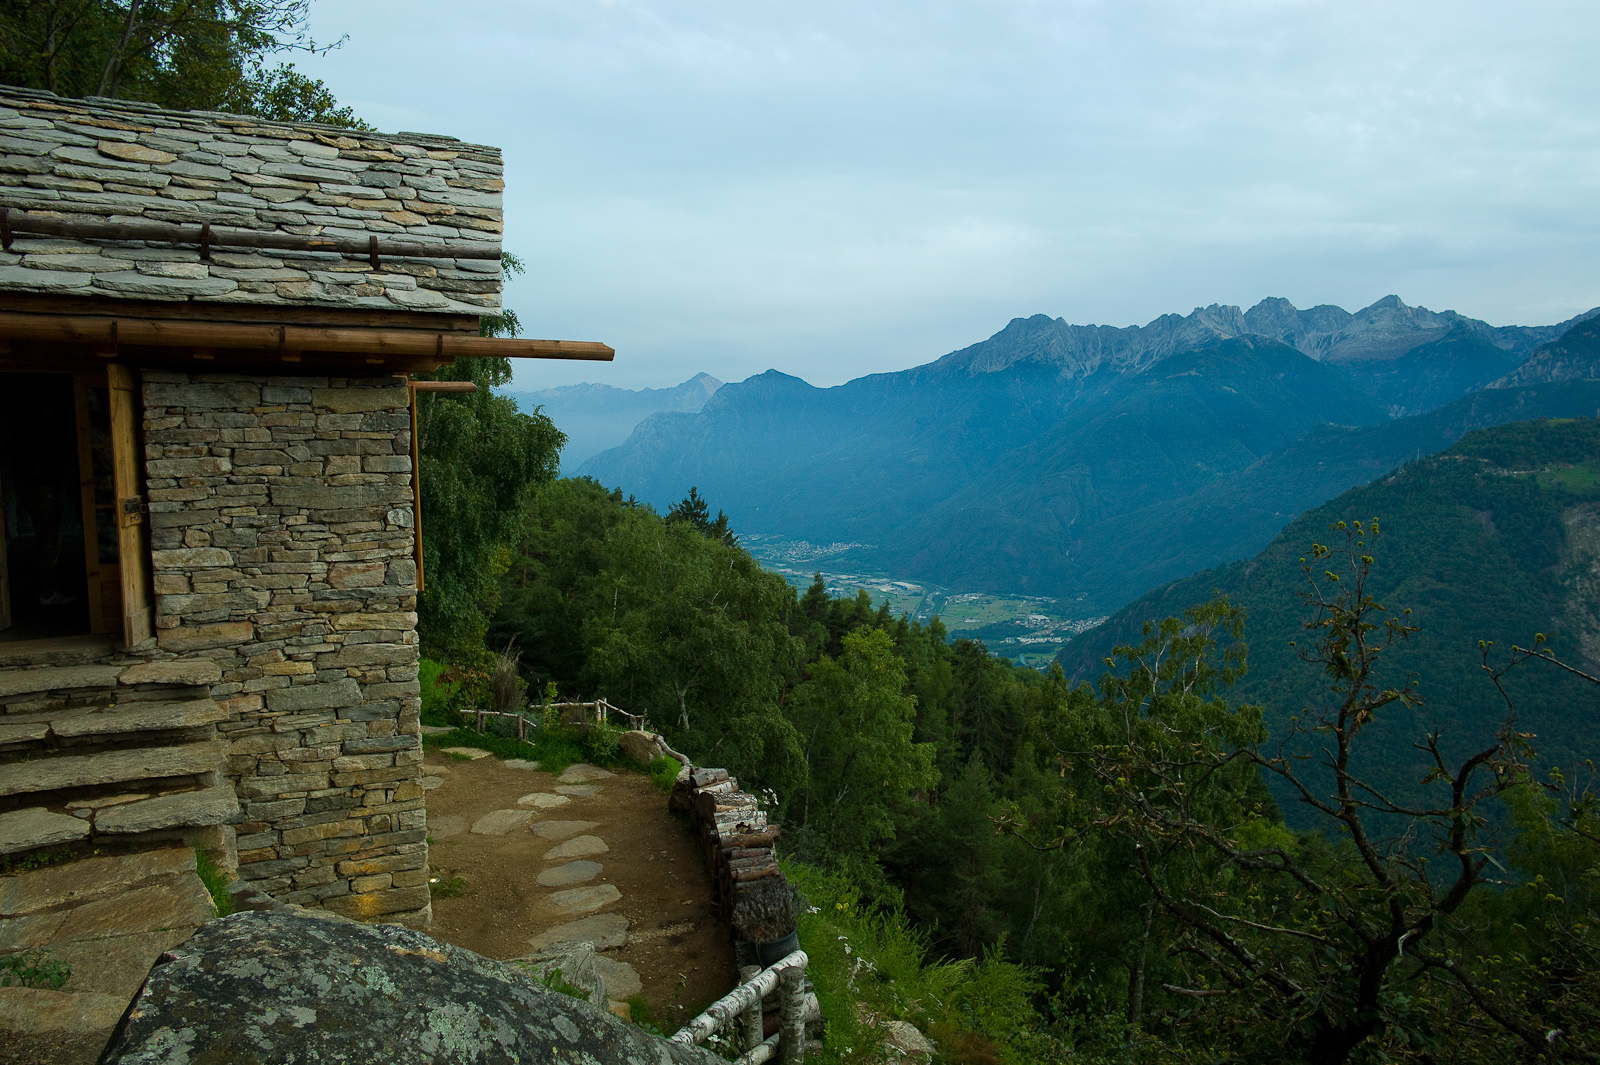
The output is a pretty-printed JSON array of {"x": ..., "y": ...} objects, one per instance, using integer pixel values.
[
  {"x": 553, "y": 752},
  {"x": 216, "y": 882},
  {"x": 447, "y": 887},
  {"x": 664, "y": 771},
  {"x": 11, "y": 865},
  {"x": 34, "y": 968},
  {"x": 640, "y": 1013}
]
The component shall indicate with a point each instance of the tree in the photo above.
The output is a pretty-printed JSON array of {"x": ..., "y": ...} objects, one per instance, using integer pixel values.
[
  {"x": 184, "y": 54},
  {"x": 1311, "y": 949},
  {"x": 855, "y": 723},
  {"x": 695, "y": 511}
]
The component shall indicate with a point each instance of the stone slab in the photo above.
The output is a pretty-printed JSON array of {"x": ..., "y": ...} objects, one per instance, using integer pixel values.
[
  {"x": 583, "y": 772},
  {"x": 116, "y": 965},
  {"x": 34, "y": 1009},
  {"x": 500, "y": 822},
  {"x": 431, "y": 782},
  {"x": 520, "y": 763},
  {"x": 57, "y": 678},
  {"x": 583, "y": 899},
  {"x": 607, "y": 931},
  {"x": 569, "y": 874},
  {"x": 574, "y": 961},
  {"x": 22, "y": 830},
  {"x": 168, "y": 902},
  {"x": 299, "y": 697},
  {"x": 190, "y": 809},
  {"x": 622, "y": 980},
  {"x": 194, "y": 671},
  {"x": 557, "y": 830},
  {"x": 446, "y": 825},
  {"x": 436, "y": 730},
  {"x": 543, "y": 800},
  {"x": 576, "y": 847},
  {"x": 141, "y": 717},
  {"x": 579, "y": 791},
  {"x": 110, "y": 767},
  {"x": 472, "y": 753},
  {"x": 60, "y": 885}
]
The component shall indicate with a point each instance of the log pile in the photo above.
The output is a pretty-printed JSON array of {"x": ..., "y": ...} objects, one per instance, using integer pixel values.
[{"x": 739, "y": 844}]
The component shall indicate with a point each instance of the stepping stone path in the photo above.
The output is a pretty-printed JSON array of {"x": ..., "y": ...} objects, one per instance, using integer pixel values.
[
  {"x": 520, "y": 763},
  {"x": 554, "y": 830},
  {"x": 446, "y": 825},
  {"x": 607, "y": 931},
  {"x": 472, "y": 754},
  {"x": 576, "y": 847},
  {"x": 582, "y": 791},
  {"x": 499, "y": 822},
  {"x": 543, "y": 800},
  {"x": 569, "y": 874},
  {"x": 622, "y": 980},
  {"x": 584, "y": 899},
  {"x": 582, "y": 773}
]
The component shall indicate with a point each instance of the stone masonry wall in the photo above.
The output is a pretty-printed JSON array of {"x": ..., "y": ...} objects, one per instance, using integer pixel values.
[{"x": 282, "y": 536}]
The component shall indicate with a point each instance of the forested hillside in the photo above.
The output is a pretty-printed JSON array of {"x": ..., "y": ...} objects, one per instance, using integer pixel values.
[
  {"x": 1493, "y": 539},
  {"x": 983, "y": 811}
]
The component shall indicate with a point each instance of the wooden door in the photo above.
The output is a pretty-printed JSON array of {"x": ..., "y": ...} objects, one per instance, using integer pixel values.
[
  {"x": 98, "y": 501},
  {"x": 133, "y": 534}
]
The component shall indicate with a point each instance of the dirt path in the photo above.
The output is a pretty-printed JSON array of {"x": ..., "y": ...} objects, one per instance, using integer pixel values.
[{"x": 606, "y": 850}]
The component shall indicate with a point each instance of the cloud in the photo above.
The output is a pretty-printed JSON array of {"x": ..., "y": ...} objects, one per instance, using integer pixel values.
[{"x": 841, "y": 188}]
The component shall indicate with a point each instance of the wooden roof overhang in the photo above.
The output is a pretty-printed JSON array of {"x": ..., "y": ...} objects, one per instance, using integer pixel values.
[{"x": 50, "y": 339}]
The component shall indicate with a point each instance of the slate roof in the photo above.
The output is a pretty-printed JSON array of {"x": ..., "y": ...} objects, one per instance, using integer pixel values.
[{"x": 100, "y": 160}]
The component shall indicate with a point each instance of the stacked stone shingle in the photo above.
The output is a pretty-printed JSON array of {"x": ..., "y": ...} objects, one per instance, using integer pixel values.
[{"x": 119, "y": 161}]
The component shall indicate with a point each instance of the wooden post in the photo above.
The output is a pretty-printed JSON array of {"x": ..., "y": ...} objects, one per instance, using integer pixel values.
[
  {"x": 792, "y": 1015},
  {"x": 750, "y": 1019},
  {"x": 133, "y": 534}
]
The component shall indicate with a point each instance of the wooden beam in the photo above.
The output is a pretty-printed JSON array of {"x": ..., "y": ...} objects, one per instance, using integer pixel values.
[
  {"x": 374, "y": 344},
  {"x": 444, "y": 386},
  {"x": 206, "y": 238}
]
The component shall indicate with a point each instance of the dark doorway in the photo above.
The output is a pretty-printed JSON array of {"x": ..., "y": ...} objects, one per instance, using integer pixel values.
[{"x": 41, "y": 491}]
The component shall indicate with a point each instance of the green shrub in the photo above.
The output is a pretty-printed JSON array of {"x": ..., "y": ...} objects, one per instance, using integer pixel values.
[
  {"x": 664, "y": 770},
  {"x": 437, "y": 696},
  {"x": 447, "y": 887},
  {"x": 33, "y": 968},
  {"x": 602, "y": 741},
  {"x": 870, "y": 966}
]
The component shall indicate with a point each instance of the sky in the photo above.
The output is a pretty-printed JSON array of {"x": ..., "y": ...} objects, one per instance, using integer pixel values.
[{"x": 836, "y": 188}]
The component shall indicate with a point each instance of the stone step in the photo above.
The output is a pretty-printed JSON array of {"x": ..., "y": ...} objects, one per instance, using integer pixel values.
[
  {"x": 55, "y": 651},
  {"x": 139, "y": 716},
  {"x": 190, "y": 809},
  {"x": 24, "y": 830},
  {"x": 109, "y": 767},
  {"x": 57, "y": 678}
]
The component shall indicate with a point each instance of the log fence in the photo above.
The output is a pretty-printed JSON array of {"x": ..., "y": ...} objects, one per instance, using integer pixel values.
[{"x": 742, "y": 1007}]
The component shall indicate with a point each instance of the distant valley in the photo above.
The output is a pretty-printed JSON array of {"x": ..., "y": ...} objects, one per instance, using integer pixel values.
[{"x": 1086, "y": 464}]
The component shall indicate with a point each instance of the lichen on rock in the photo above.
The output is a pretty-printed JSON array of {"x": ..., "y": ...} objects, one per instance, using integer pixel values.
[{"x": 281, "y": 986}]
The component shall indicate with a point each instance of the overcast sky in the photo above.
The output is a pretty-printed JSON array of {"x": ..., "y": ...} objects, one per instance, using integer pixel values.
[{"x": 841, "y": 188}]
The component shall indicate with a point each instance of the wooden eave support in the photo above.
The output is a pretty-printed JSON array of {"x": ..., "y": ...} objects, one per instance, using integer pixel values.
[{"x": 108, "y": 333}]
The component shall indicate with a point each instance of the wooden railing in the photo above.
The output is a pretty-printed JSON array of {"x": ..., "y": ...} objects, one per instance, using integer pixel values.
[
  {"x": 743, "y": 1004},
  {"x": 600, "y": 708}
]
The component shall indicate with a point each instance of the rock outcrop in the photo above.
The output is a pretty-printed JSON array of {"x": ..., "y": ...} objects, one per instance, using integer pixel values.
[{"x": 279, "y": 986}]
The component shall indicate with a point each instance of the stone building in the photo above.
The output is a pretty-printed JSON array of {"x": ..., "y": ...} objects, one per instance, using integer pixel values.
[{"x": 209, "y": 585}]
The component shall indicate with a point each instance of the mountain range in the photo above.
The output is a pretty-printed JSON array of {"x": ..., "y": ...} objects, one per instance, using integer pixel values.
[
  {"x": 597, "y": 417},
  {"x": 1064, "y": 460}
]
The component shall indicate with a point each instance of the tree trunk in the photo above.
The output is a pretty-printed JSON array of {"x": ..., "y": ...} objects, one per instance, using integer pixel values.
[
  {"x": 113, "y": 71},
  {"x": 1136, "y": 975}
]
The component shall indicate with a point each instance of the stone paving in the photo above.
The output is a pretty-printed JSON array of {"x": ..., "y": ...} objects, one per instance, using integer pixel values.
[{"x": 109, "y": 918}]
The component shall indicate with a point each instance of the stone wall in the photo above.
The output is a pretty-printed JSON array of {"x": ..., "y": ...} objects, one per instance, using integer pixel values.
[{"x": 282, "y": 546}]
